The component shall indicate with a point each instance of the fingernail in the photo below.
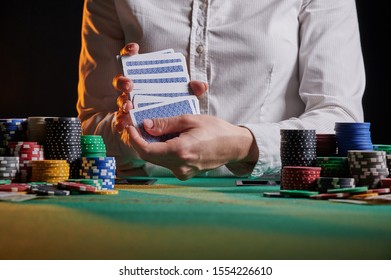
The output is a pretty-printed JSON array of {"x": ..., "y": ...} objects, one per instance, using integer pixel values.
[
  {"x": 127, "y": 87},
  {"x": 148, "y": 123},
  {"x": 129, "y": 48},
  {"x": 205, "y": 87}
]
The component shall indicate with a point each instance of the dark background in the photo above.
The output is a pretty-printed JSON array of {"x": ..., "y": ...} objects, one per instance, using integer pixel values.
[{"x": 39, "y": 51}]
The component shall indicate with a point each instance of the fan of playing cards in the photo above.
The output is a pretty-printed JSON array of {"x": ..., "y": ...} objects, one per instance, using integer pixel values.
[{"x": 160, "y": 88}]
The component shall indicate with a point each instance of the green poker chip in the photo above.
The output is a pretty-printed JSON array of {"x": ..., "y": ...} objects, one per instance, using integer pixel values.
[
  {"x": 297, "y": 193},
  {"x": 348, "y": 190},
  {"x": 5, "y": 182}
]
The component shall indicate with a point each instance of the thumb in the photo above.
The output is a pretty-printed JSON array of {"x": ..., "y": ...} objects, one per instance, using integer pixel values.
[{"x": 163, "y": 126}]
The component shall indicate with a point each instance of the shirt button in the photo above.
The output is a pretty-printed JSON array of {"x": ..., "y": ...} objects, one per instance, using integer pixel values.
[{"x": 200, "y": 49}]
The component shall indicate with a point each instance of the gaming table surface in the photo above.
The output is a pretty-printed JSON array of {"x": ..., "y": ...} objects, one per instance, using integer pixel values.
[{"x": 202, "y": 218}]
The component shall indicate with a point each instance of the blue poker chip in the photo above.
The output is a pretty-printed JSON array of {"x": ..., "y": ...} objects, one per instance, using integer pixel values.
[
  {"x": 98, "y": 159},
  {"x": 86, "y": 176},
  {"x": 99, "y": 166},
  {"x": 97, "y": 175},
  {"x": 352, "y": 125},
  {"x": 353, "y": 136}
]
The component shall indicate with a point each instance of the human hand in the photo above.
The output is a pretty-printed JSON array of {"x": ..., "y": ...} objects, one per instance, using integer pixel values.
[
  {"x": 204, "y": 143},
  {"x": 125, "y": 85}
]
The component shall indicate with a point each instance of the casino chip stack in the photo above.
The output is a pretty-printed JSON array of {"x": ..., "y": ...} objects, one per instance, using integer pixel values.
[
  {"x": 335, "y": 167},
  {"x": 11, "y": 130},
  {"x": 299, "y": 178},
  {"x": 27, "y": 152},
  {"x": 385, "y": 183},
  {"x": 36, "y": 129},
  {"x": 99, "y": 168},
  {"x": 51, "y": 171},
  {"x": 9, "y": 168},
  {"x": 368, "y": 168},
  {"x": 324, "y": 184},
  {"x": 62, "y": 142},
  {"x": 46, "y": 189},
  {"x": 352, "y": 136},
  {"x": 326, "y": 145},
  {"x": 298, "y": 147},
  {"x": 387, "y": 149},
  {"x": 93, "y": 146}
]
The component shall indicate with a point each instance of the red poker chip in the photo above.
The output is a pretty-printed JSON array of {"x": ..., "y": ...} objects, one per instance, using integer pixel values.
[
  {"x": 302, "y": 168},
  {"x": 385, "y": 182},
  {"x": 330, "y": 195},
  {"x": 15, "y": 187},
  {"x": 77, "y": 186},
  {"x": 300, "y": 171},
  {"x": 379, "y": 191}
]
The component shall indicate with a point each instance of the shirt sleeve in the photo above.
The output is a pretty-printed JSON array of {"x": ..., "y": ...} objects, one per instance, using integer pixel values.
[
  {"x": 102, "y": 40},
  {"x": 331, "y": 75}
]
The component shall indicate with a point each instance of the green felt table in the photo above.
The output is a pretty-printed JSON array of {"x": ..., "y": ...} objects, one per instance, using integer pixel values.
[{"x": 202, "y": 218}]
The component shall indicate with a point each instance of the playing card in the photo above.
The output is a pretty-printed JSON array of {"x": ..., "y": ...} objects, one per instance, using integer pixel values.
[
  {"x": 161, "y": 110},
  {"x": 140, "y": 101},
  {"x": 177, "y": 91},
  {"x": 156, "y": 70}
]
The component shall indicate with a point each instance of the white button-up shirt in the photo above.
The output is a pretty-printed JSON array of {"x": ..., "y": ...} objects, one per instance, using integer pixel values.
[{"x": 270, "y": 64}]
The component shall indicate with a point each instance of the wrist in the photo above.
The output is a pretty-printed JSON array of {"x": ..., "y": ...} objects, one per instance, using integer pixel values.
[{"x": 247, "y": 153}]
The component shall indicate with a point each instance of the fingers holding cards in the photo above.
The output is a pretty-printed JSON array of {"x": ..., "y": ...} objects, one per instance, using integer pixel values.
[{"x": 160, "y": 89}]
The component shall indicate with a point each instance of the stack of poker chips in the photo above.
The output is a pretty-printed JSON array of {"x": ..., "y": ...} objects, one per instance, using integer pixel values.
[
  {"x": 298, "y": 147},
  {"x": 27, "y": 152},
  {"x": 99, "y": 168},
  {"x": 51, "y": 171},
  {"x": 9, "y": 168},
  {"x": 335, "y": 167},
  {"x": 95, "y": 164},
  {"x": 352, "y": 136},
  {"x": 46, "y": 189},
  {"x": 93, "y": 146},
  {"x": 62, "y": 142},
  {"x": 326, "y": 145},
  {"x": 11, "y": 130},
  {"x": 387, "y": 149},
  {"x": 36, "y": 129},
  {"x": 385, "y": 183},
  {"x": 368, "y": 167},
  {"x": 299, "y": 178},
  {"x": 324, "y": 184}
]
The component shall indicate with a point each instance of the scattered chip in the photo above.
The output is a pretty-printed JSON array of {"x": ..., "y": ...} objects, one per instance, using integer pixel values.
[
  {"x": 272, "y": 194},
  {"x": 73, "y": 186},
  {"x": 14, "y": 187},
  {"x": 106, "y": 192},
  {"x": 297, "y": 193},
  {"x": 349, "y": 190}
]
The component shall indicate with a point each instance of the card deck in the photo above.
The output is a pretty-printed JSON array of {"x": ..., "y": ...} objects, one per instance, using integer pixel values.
[{"x": 161, "y": 88}]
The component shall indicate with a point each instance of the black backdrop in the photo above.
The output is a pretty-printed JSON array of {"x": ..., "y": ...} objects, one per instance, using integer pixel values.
[{"x": 39, "y": 50}]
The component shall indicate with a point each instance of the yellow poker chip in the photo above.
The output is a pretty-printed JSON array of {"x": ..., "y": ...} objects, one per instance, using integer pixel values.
[
  {"x": 106, "y": 192},
  {"x": 363, "y": 195}
]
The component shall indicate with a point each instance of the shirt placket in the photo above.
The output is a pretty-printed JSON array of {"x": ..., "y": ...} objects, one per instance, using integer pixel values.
[{"x": 199, "y": 47}]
